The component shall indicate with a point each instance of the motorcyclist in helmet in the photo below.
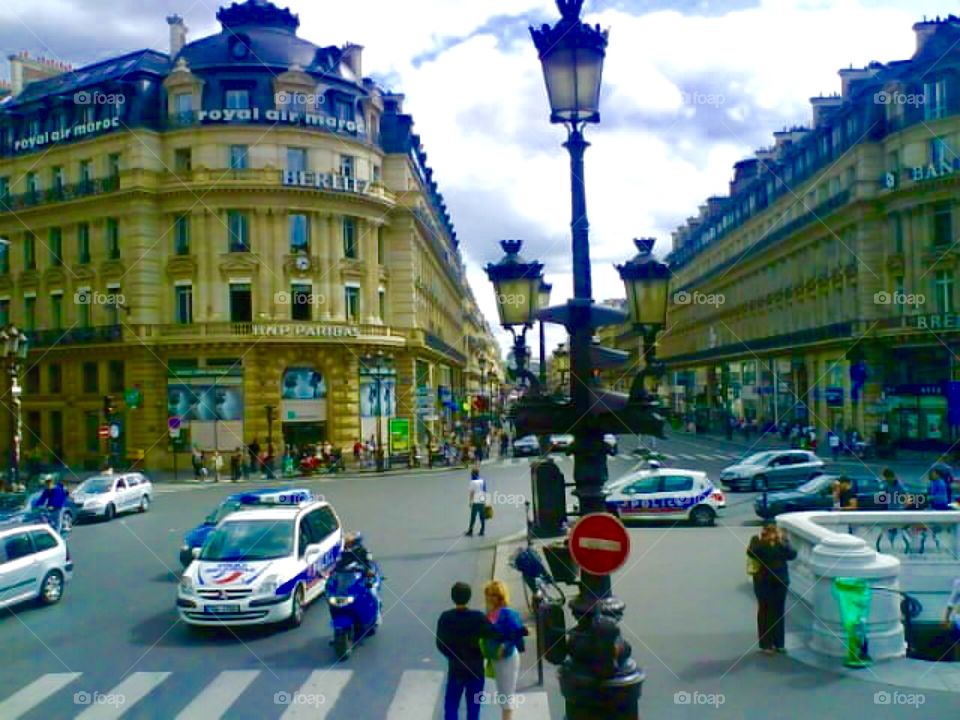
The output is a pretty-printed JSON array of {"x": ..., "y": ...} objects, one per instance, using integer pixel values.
[{"x": 355, "y": 552}]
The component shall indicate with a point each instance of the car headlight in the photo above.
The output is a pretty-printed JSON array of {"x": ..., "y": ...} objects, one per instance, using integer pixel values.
[
  {"x": 341, "y": 601},
  {"x": 186, "y": 585},
  {"x": 268, "y": 586}
]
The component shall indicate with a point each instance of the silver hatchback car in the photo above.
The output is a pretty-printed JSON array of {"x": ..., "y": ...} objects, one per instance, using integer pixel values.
[
  {"x": 773, "y": 469},
  {"x": 35, "y": 564},
  {"x": 105, "y": 496}
]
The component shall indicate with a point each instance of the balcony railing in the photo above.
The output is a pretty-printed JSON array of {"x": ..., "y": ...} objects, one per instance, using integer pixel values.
[
  {"x": 75, "y": 336},
  {"x": 12, "y": 203}
]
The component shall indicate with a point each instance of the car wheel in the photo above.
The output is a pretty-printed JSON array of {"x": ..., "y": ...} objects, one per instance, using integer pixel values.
[
  {"x": 144, "y": 503},
  {"x": 343, "y": 644},
  {"x": 296, "y": 609},
  {"x": 109, "y": 513},
  {"x": 51, "y": 589},
  {"x": 702, "y": 516}
]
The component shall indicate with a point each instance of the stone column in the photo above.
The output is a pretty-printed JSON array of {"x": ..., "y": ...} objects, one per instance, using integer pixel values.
[
  {"x": 320, "y": 247},
  {"x": 270, "y": 275},
  {"x": 211, "y": 284},
  {"x": 343, "y": 399},
  {"x": 335, "y": 250}
]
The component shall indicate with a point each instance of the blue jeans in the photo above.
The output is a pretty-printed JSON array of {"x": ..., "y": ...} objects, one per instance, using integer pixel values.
[{"x": 455, "y": 689}]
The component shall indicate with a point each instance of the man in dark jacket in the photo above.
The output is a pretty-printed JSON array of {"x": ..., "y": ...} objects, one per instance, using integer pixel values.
[
  {"x": 771, "y": 550},
  {"x": 54, "y": 497},
  {"x": 458, "y": 638}
]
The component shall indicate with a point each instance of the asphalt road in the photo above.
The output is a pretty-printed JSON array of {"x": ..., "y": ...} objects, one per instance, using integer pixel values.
[{"x": 114, "y": 647}]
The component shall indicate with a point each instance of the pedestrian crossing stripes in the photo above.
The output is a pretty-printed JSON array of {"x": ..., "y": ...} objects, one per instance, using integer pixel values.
[{"x": 417, "y": 696}]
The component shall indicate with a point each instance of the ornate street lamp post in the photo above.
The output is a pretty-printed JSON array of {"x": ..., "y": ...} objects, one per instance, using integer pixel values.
[
  {"x": 599, "y": 678},
  {"x": 378, "y": 363},
  {"x": 15, "y": 349},
  {"x": 543, "y": 304}
]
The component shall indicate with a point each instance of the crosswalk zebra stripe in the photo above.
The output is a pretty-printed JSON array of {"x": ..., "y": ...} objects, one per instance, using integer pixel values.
[
  {"x": 120, "y": 699},
  {"x": 219, "y": 695},
  {"x": 317, "y": 696},
  {"x": 27, "y": 698},
  {"x": 533, "y": 706},
  {"x": 417, "y": 695}
]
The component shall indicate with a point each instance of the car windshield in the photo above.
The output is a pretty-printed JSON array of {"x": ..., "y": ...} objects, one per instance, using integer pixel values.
[
  {"x": 757, "y": 458},
  {"x": 816, "y": 485},
  {"x": 249, "y": 540},
  {"x": 95, "y": 486},
  {"x": 221, "y": 512},
  {"x": 13, "y": 501}
]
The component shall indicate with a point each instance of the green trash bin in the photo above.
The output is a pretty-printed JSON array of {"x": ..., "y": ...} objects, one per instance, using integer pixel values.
[{"x": 853, "y": 596}]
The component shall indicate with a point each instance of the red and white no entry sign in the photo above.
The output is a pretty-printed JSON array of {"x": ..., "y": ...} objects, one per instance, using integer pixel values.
[{"x": 599, "y": 543}]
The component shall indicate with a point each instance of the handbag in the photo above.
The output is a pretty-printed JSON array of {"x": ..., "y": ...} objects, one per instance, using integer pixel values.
[
  {"x": 488, "y": 512},
  {"x": 753, "y": 566}
]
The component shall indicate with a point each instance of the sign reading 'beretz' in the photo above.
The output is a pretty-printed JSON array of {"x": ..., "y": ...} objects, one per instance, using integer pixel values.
[
  {"x": 325, "y": 181},
  {"x": 262, "y": 330}
]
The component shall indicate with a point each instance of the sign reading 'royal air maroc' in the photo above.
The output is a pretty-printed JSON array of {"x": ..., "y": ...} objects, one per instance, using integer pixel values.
[{"x": 256, "y": 115}]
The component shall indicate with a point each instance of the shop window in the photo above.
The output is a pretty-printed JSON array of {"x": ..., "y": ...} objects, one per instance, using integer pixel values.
[
  {"x": 30, "y": 313},
  {"x": 183, "y": 304},
  {"x": 296, "y": 159},
  {"x": 181, "y": 235},
  {"x": 223, "y": 362},
  {"x": 943, "y": 224},
  {"x": 299, "y": 230},
  {"x": 113, "y": 239},
  {"x": 352, "y": 303},
  {"x": 182, "y": 160},
  {"x": 83, "y": 243},
  {"x": 350, "y": 249},
  {"x": 241, "y": 302},
  {"x": 239, "y": 231},
  {"x": 56, "y": 311},
  {"x": 238, "y": 157},
  {"x": 91, "y": 378},
  {"x": 301, "y": 296},
  {"x": 116, "y": 379},
  {"x": 55, "y": 378},
  {"x": 943, "y": 291}
]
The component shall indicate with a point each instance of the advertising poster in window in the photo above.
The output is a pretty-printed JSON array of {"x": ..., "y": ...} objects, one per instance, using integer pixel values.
[
  {"x": 934, "y": 426},
  {"x": 200, "y": 402},
  {"x": 368, "y": 396},
  {"x": 303, "y": 384}
]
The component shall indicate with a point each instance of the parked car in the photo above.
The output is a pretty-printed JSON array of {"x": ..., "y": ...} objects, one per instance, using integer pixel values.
[
  {"x": 817, "y": 494},
  {"x": 35, "y": 564},
  {"x": 773, "y": 469},
  {"x": 561, "y": 443},
  {"x": 527, "y": 446},
  {"x": 666, "y": 494},
  {"x": 105, "y": 496}
]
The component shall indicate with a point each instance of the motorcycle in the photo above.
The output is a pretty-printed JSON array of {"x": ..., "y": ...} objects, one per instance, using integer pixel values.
[{"x": 355, "y": 606}]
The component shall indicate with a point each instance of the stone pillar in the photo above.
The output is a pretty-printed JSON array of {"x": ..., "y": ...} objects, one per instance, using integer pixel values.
[
  {"x": 147, "y": 425},
  {"x": 266, "y": 283},
  {"x": 211, "y": 285},
  {"x": 849, "y": 557},
  {"x": 143, "y": 283},
  {"x": 343, "y": 400},
  {"x": 320, "y": 246}
]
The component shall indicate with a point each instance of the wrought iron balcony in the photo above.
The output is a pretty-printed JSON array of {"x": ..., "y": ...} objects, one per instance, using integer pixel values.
[
  {"x": 12, "y": 203},
  {"x": 75, "y": 336}
]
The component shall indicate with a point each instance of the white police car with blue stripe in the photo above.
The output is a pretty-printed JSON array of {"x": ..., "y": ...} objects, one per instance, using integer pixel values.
[
  {"x": 264, "y": 564},
  {"x": 666, "y": 494}
]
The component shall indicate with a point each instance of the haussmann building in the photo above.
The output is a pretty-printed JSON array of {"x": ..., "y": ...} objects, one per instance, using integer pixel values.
[
  {"x": 243, "y": 233},
  {"x": 823, "y": 288}
]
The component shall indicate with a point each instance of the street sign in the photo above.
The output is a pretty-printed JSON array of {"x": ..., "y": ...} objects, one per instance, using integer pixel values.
[
  {"x": 114, "y": 431},
  {"x": 173, "y": 423},
  {"x": 399, "y": 435},
  {"x": 599, "y": 543},
  {"x": 104, "y": 431}
]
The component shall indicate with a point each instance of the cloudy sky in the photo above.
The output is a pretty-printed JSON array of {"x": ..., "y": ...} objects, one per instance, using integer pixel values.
[{"x": 690, "y": 87}]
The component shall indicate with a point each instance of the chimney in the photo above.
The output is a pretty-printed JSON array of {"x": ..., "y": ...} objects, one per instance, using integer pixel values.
[
  {"x": 822, "y": 107},
  {"x": 393, "y": 103},
  {"x": 178, "y": 34},
  {"x": 352, "y": 56},
  {"x": 25, "y": 70},
  {"x": 851, "y": 75}
]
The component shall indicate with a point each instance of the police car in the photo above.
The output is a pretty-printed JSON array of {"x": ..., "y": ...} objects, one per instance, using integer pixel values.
[
  {"x": 666, "y": 494},
  {"x": 264, "y": 564}
]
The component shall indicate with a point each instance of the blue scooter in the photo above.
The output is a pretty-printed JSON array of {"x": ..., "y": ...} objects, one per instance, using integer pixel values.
[{"x": 353, "y": 596}]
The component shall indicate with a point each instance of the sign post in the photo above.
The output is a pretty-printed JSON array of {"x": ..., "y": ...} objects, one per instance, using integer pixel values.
[{"x": 599, "y": 543}]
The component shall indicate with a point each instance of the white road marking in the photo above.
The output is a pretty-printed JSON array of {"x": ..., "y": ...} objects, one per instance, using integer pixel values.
[
  {"x": 417, "y": 696},
  {"x": 316, "y": 697},
  {"x": 113, "y": 704},
  {"x": 218, "y": 696},
  {"x": 27, "y": 698}
]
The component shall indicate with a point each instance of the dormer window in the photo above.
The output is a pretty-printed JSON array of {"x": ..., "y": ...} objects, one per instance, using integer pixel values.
[
  {"x": 88, "y": 114},
  {"x": 238, "y": 99}
]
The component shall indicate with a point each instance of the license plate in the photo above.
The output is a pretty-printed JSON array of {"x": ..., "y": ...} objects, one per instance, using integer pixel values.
[{"x": 221, "y": 609}]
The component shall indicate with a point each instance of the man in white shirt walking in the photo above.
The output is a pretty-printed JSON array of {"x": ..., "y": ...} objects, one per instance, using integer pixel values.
[{"x": 478, "y": 502}]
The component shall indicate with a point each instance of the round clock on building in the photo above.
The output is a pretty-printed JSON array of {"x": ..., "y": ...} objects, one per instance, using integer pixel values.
[{"x": 303, "y": 263}]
